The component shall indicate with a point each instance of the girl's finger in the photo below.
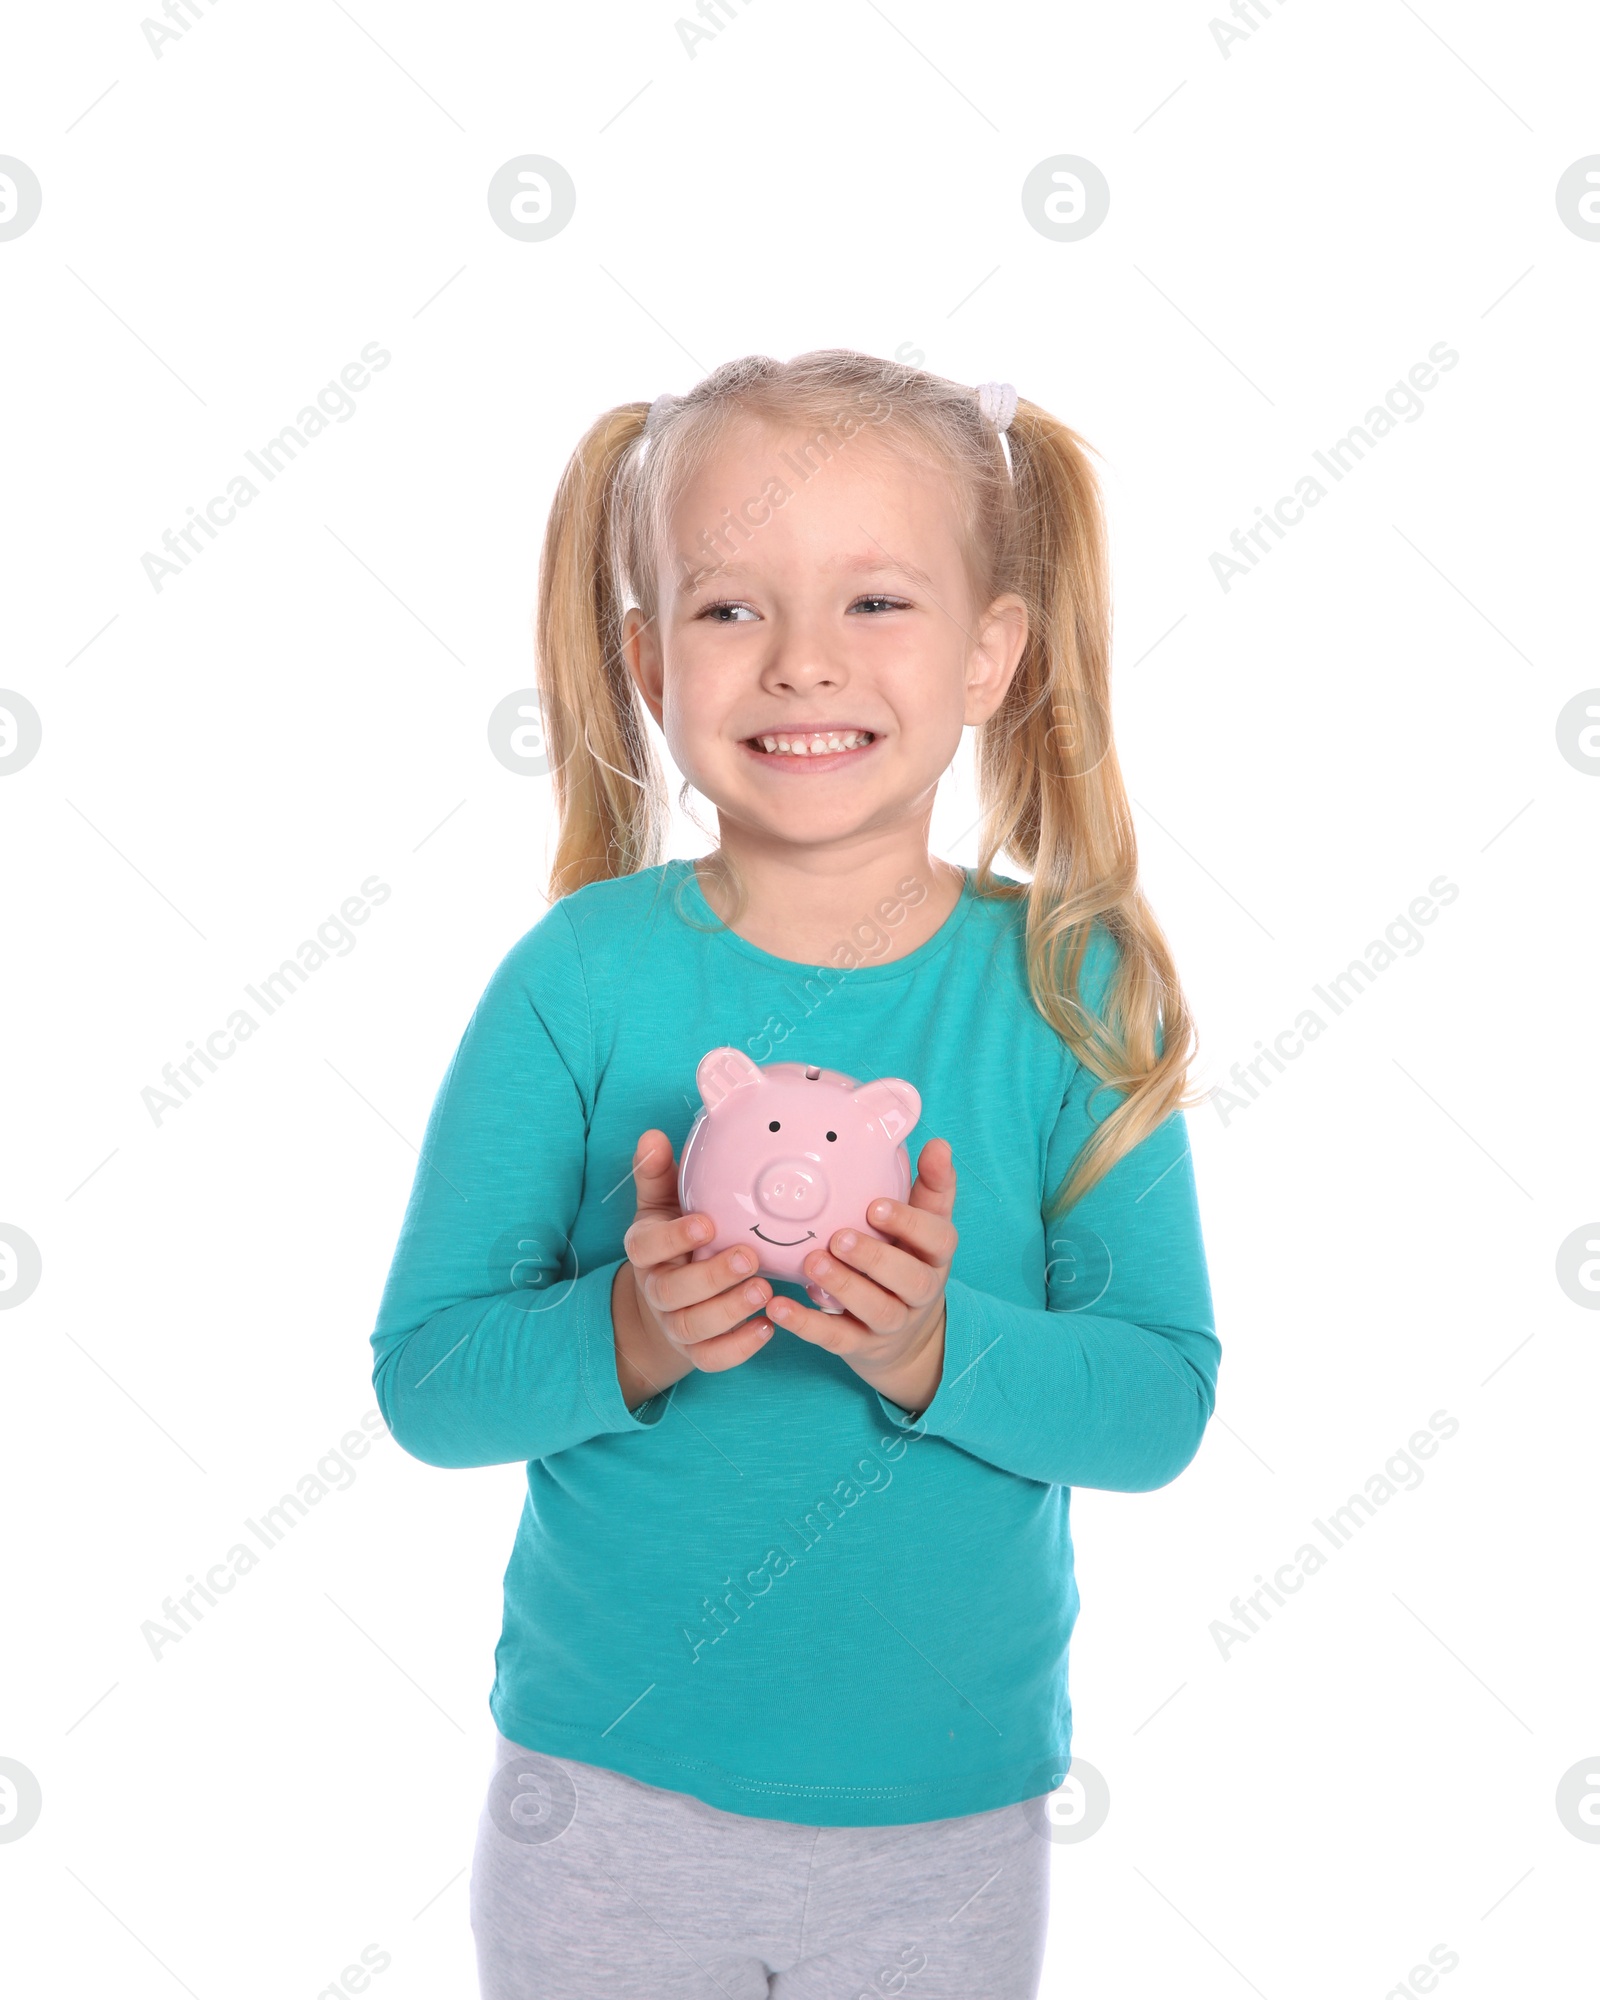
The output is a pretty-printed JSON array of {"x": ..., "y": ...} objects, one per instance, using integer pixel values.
[
  {"x": 655, "y": 1173},
  {"x": 877, "y": 1310},
  {"x": 911, "y": 1279},
  {"x": 931, "y": 1236},
  {"x": 677, "y": 1286},
  {"x": 726, "y": 1350},
  {"x": 839, "y": 1333},
  {"x": 711, "y": 1311},
  {"x": 935, "y": 1189},
  {"x": 654, "y": 1239}
]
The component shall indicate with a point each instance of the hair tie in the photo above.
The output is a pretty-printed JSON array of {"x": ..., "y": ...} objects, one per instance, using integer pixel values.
[
  {"x": 658, "y": 409},
  {"x": 998, "y": 402}
]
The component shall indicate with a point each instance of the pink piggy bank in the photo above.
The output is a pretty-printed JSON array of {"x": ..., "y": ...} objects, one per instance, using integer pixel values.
[{"x": 786, "y": 1153}]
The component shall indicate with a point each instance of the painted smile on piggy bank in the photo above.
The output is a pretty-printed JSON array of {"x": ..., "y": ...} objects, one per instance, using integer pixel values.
[{"x": 789, "y": 1153}]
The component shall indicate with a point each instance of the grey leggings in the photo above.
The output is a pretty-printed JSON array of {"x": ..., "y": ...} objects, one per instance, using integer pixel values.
[{"x": 589, "y": 1885}]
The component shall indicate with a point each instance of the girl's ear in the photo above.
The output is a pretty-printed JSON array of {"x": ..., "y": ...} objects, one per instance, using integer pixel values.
[
  {"x": 723, "y": 1071},
  {"x": 641, "y": 648},
  {"x": 1001, "y": 636}
]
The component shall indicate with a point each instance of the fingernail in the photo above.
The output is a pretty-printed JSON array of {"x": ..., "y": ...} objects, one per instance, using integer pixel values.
[
  {"x": 880, "y": 1211},
  {"x": 742, "y": 1261},
  {"x": 754, "y": 1295},
  {"x": 823, "y": 1264},
  {"x": 699, "y": 1231},
  {"x": 845, "y": 1240}
]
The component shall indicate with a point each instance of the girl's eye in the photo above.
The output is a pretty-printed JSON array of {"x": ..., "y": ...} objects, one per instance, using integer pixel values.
[
  {"x": 714, "y": 612},
  {"x": 877, "y": 599}
]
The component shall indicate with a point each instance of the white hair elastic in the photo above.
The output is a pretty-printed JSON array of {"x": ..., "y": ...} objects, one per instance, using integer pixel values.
[
  {"x": 998, "y": 402},
  {"x": 658, "y": 409}
]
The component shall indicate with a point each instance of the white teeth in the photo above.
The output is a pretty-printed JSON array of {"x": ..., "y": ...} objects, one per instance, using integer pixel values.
[{"x": 818, "y": 744}]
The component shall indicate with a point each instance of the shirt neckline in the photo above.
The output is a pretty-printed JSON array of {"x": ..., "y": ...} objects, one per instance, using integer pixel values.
[{"x": 690, "y": 907}]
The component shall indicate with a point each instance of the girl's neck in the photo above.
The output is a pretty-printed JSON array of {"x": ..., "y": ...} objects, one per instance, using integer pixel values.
[{"x": 885, "y": 907}]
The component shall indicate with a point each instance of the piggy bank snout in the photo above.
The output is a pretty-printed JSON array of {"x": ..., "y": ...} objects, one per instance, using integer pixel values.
[{"x": 792, "y": 1190}]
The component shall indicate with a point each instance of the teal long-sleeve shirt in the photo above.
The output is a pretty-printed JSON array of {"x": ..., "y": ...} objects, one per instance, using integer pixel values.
[{"x": 771, "y": 1588}]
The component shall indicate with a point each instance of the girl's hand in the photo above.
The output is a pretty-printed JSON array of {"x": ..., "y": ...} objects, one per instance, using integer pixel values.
[
  {"x": 670, "y": 1315},
  {"x": 892, "y": 1329}
]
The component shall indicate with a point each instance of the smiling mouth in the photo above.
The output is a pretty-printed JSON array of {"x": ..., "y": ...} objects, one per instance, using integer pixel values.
[
  {"x": 777, "y": 1242},
  {"x": 809, "y": 742}
]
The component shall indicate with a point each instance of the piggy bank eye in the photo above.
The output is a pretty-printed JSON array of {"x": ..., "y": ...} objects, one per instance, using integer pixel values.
[
  {"x": 773, "y": 1126},
  {"x": 833, "y": 1135}
]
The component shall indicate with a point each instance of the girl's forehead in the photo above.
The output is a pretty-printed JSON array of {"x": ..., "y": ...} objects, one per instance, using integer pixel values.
[
  {"x": 804, "y": 452},
  {"x": 810, "y": 480}
]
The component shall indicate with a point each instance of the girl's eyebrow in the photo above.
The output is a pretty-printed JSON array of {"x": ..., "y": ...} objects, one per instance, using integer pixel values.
[
  {"x": 868, "y": 565},
  {"x": 851, "y": 565},
  {"x": 857, "y": 565}
]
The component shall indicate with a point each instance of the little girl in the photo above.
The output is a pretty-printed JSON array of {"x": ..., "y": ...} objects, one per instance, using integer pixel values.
[{"x": 781, "y": 1687}]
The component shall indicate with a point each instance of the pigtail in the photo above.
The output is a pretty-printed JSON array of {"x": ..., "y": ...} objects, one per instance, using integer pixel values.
[
  {"x": 1054, "y": 797},
  {"x": 610, "y": 798}
]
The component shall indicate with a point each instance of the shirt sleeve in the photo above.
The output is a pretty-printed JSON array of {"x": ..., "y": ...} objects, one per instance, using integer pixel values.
[
  {"x": 1112, "y": 1381},
  {"x": 491, "y": 1346}
]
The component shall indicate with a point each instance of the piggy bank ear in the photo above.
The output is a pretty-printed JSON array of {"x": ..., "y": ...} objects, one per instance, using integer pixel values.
[
  {"x": 723, "y": 1071},
  {"x": 893, "y": 1102}
]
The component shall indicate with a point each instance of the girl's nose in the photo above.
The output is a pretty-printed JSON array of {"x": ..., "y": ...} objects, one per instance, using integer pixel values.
[{"x": 802, "y": 660}]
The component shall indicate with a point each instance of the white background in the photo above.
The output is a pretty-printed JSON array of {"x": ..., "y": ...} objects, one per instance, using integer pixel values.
[{"x": 1292, "y": 227}]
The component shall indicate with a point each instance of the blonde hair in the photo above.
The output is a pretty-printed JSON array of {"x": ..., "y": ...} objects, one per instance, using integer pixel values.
[{"x": 1048, "y": 780}]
